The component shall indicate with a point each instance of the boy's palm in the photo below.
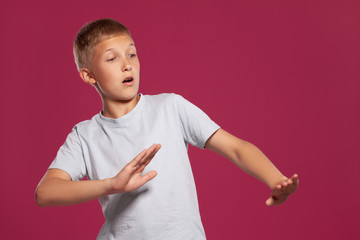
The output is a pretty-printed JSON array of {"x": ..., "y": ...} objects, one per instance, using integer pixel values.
[
  {"x": 130, "y": 177},
  {"x": 283, "y": 190}
]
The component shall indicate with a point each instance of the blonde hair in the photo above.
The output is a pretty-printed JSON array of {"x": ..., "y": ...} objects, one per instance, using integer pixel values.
[{"x": 90, "y": 35}]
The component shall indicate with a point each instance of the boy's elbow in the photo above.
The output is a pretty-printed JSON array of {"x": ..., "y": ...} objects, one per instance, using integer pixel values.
[{"x": 40, "y": 198}]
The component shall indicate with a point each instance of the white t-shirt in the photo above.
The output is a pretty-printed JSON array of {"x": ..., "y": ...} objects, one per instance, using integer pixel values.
[{"x": 164, "y": 208}]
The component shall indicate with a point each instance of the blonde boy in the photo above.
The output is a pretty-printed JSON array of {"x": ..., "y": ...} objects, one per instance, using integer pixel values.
[{"x": 118, "y": 147}]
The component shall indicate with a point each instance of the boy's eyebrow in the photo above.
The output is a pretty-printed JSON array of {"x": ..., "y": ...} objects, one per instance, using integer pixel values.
[{"x": 129, "y": 46}]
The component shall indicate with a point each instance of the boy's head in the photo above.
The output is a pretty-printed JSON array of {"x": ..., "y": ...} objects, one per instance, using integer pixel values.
[
  {"x": 106, "y": 58},
  {"x": 90, "y": 35}
]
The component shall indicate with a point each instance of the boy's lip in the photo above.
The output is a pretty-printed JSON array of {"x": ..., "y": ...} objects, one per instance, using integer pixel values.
[{"x": 128, "y": 81}]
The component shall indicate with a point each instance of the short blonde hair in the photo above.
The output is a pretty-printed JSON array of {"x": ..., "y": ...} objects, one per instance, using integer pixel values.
[{"x": 90, "y": 35}]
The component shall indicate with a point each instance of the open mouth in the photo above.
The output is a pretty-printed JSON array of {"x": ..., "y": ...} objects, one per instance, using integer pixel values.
[{"x": 129, "y": 79}]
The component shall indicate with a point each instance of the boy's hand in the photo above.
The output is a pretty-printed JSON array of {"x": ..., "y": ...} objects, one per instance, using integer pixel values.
[
  {"x": 283, "y": 190},
  {"x": 129, "y": 178}
]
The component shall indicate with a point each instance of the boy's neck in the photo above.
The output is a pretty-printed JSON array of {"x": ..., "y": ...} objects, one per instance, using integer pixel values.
[{"x": 112, "y": 109}]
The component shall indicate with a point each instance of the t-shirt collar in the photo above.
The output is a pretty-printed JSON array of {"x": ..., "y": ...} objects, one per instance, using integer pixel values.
[{"x": 129, "y": 116}]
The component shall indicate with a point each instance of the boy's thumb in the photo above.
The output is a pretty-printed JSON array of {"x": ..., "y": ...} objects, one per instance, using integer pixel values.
[{"x": 269, "y": 202}]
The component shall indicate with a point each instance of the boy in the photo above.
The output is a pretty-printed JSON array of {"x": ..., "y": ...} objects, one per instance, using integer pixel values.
[{"x": 108, "y": 149}]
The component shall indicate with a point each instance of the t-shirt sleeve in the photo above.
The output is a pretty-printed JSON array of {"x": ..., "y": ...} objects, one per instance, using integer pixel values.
[
  {"x": 70, "y": 157},
  {"x": 196, "y": 125}
]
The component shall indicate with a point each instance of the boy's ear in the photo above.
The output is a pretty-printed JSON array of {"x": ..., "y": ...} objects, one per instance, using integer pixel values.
[{"x": 87, "y": 76}]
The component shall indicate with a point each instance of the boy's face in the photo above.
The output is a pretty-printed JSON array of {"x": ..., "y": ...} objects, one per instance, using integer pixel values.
[{"x": 115, "y": 68}]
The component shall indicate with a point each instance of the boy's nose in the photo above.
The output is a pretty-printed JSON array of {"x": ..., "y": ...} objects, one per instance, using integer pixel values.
[{"x": 127, "y": 66}]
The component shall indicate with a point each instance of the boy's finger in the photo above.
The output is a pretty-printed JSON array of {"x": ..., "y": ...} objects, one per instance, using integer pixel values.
[
  {"x": 152, "y": 150},
  {"x": 151, "y": 153},
  {"x": 146, "y": 160},
  {"x": 147, "y": 177},
  {"x": 295, "y": 179},
  {"x": 138, "y": 158}
]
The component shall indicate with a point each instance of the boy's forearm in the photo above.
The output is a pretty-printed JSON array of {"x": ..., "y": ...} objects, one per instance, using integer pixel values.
[
  {"x": 249, "y": 158},
  {"x": 60, "y": 192},
  {"x": 246, "y": 156}
]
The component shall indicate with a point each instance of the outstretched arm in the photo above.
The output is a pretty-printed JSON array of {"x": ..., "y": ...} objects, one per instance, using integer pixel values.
[
  {"x": 250, "y": 159},
  {"x": 57, "y": 189}
]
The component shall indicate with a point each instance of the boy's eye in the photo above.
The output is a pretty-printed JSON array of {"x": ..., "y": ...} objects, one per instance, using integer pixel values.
[
  {"x": 111, "y": 59},
  {"x": 132, "y": 55}
]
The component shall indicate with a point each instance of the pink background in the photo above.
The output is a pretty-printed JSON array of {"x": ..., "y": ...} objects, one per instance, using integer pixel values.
[{"x": 281, "y": 74}]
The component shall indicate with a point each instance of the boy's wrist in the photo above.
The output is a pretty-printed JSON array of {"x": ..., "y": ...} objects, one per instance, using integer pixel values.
[{"x": 108, "y": 186}]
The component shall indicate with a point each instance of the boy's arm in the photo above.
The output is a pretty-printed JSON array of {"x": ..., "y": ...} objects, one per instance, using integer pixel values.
[
  {"x": 250, "y": 159},
  {"x": 57, "y": 189}
]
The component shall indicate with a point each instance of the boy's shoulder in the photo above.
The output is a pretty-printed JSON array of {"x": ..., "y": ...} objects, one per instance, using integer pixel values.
[
  {"x": 164, "y": 98},
  {"x": 89, "y": 123}
]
